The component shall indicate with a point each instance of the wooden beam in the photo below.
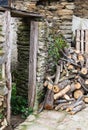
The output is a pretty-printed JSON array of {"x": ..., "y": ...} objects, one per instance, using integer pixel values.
[
  {"x": 8, "y": 63},
  {"x": 20, "y": 13},
  {"x": 32, "y": 63}
]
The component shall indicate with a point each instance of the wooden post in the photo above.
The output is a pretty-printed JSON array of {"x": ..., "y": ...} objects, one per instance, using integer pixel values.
[
  {"x": 32, "y": 63},
  {"x": 8, "y": 62}
]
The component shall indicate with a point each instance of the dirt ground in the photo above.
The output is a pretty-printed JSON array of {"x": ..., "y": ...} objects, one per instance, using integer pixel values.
[{"x": 15, "y": 121}]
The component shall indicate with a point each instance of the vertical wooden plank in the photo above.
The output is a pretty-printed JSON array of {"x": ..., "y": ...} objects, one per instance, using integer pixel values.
[
  {"x": 82, "y": 41},
  {"x": 8, "y": 63},
  {"x": 32, "y": 63},
  {"x": 86, "y": 41},
  {"x": 78, "y": 40}
]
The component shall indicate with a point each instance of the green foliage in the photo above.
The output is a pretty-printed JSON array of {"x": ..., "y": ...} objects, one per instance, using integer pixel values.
[
  {"x": 56, "y": 44},
  {"x": 1, "y": 116},
  {"x": 19, "y": 104}
]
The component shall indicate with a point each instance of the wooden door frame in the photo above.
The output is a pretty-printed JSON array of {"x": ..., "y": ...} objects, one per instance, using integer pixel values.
[{"x": 32, "y": 63}]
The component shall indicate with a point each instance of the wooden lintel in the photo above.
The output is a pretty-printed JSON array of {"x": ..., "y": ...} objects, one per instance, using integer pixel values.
[
  {"x": 32, "y": 63},
  {"x": 20, "y": 13}
]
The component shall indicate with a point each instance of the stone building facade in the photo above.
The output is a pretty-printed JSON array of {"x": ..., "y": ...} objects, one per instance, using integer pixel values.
[{"x": 57, "y": 17}]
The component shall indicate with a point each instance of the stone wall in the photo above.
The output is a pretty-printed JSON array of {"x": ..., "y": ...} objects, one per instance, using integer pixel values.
[
  {"x": 23, "y": 43},
  {"x": 57, "y": 18},
  {"x": 81, "y": 9}
]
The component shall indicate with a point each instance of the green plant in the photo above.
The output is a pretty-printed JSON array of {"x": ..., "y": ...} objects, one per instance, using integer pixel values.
[
  {"x": 26, "y": 112},
  {"x": 1, "y": 116},
  {"x": 19, "y": 104},
  {"x": 57, "y": 43}
]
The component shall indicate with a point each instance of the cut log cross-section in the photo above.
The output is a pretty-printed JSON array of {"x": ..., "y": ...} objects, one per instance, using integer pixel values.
[
  {"x": 60, "y": 86},
  {"x": 78, "y": 93}
]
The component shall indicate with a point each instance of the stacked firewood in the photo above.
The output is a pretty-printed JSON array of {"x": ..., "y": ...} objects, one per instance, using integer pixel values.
[{"x": 67, "y": 89}]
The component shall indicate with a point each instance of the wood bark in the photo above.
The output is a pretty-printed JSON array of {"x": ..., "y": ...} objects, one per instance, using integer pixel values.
[
  {"x": 57, "y": 76},
  {"x": 49, "y": 100},
  {"x": 77, "y": 109}
]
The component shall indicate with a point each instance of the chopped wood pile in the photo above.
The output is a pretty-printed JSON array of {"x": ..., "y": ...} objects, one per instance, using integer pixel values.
[{"x": 67, "y": 89}]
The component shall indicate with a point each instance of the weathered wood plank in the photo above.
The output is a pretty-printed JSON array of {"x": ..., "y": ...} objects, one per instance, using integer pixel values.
[
  {"x": 82, "y": 41},
  {"x": 78, "y": 40},
  {"x": 20, "y": 13},
  {"x": 8, "y": 63},
  {"x": 32, "y": 63},
  {"x": 86, "y": 41}
]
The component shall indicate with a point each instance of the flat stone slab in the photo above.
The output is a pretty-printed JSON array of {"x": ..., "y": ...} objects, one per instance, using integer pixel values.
[{"x": 56, "y": 120}]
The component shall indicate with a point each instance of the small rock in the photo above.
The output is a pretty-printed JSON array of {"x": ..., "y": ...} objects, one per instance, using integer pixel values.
[
  {"x": 31, "y": 118},
  {"x": 52, "y": 8},
  {"x": 70, "y": 7},
  {"x": 65, "y": 12}
]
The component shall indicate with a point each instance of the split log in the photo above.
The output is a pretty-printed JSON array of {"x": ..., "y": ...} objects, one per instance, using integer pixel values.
[
  {"x": 66, "y": 97},
  {"x": 86, "y": 99},
  {"x": 63, "y": 101},
  {"x": 77, "y": 109},
  {"x": 78, "y": 93},
  {"x": 49, "y": 100},
  {"x": 60, "y": 105},
  {"x": 75, "y": 86},
  {"x": 61, "y": 66},
  {"x": 70, "y": 108},
  {"x": 57, "y": 76},
  {"x": 60, "y": 86},
  {"x": 67, "y": 60},
  {"x": 67, "y": 77},
  {"x": 74, "y": 57},
  {"x": 81, "y": 59},
  {"x": 46, "y": 83},
  {"x": 50, "y": 86},
  {"x": 84, "y": 71},
  {"x": 70, "y": 67},
  {"x": 60, "y": 101},
  {"x": 66, "y": 69},
  {"x": 62, "y": 92},
  {"x": 81, "y": 81},
  {"x": 86, "y": 83},
  {"x": 49, "y": 78},
  {"x": 77, "y": 51}
]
